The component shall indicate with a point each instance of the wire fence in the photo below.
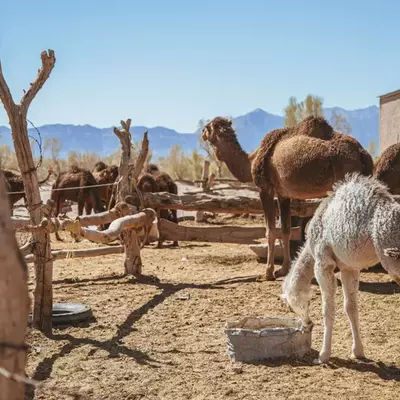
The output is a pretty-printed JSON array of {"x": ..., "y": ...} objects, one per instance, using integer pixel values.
[{"x": 69, "y": 188}]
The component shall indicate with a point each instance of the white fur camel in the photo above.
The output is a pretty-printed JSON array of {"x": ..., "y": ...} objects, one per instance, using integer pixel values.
[{"x": 355, "y": 227}]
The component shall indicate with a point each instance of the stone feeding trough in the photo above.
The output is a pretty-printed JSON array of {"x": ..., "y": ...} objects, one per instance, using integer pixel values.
[{"x": 258, "y": 338}]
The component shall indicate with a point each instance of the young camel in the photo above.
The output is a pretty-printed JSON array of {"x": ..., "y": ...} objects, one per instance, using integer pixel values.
[
  {"x": 355, "y": 227},
  {"x": 387, "y": 168},
  {"x": 301, "y": 162}
]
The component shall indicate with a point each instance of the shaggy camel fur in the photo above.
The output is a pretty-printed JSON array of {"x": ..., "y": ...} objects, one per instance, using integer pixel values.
[
  {"x": 387, "y": 168},
  {"x": 14, "y": 183},
  {"x": 301, "y": 162},
  {"x": 356, "y": 227},
  {"x": 165, "y": 184},
  {"x": 105, "y": 174},
  {"x": 88, "y": 198}
]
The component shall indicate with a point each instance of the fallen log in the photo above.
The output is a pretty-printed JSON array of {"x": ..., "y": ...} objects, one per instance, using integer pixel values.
[
  {"x": 223, "y": 204},
  {"x": 226, "y": 187},
  {"x": 133, "y": 222},
  {"x": 81, "y": 253},
  {"x": 58, "y": 224},
  {"x": 218, "y": 234}
]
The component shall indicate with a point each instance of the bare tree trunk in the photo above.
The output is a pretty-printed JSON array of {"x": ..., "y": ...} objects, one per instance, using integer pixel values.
[
  {"x": 127, "y": 184},
  {"x": 17, "y": 113},
  {"x": 14, "y": 304}
]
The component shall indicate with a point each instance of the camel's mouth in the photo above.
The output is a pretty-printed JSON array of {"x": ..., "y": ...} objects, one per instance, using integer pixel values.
[{"x": 205, "y": 135}]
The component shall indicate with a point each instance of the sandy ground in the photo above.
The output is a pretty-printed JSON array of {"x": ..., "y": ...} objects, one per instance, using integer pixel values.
[{"x": 164, "y": 339}]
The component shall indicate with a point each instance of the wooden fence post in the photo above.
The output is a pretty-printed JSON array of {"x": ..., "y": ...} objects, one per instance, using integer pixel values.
[
  {"x": 14, "y": 304},
  {"x": 17, "y": 114},
  {"x": 204, "y": 186},
  {"x": 128, "y": 175}
]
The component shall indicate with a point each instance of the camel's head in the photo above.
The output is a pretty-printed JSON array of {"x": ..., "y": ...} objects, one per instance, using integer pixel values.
[
  {"x": 99, "y": 166},
  {"x": 217, "y": 132},
  {"x": 152, "y": 169},
  {"x": 217, "y": 129},
  {"x": 391, "y": 262}
]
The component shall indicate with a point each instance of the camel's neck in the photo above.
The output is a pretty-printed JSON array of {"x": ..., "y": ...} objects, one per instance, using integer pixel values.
[{"x": 237, "y": 161}]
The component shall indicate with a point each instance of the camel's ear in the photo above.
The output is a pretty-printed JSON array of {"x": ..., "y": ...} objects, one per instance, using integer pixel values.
[
  {"x": 230, "y": 121},
  {"x": 392, "y": 253}
]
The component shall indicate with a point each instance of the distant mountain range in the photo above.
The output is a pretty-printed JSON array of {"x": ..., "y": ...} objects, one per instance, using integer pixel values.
[{"x": 250, "y": 128}]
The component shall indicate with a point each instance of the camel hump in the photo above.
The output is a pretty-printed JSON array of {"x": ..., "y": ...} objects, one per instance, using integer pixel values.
[
  {"x": 388, "y": 160},
  {"x": 316, "y": 127}
]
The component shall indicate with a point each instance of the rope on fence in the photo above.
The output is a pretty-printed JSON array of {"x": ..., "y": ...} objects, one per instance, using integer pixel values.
[{"x": 71, "y": 188}]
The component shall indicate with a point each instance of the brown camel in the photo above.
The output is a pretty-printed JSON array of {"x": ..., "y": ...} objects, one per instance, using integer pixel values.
[
  {"x": 300, "y": 162},
  {"x": 165, "y": 184},
  {"x": 15, "y": 184},
  {"x": 105, "y": 174},
  {"x": 75, "y": 177},
  {"x": 387, "y": 168}
]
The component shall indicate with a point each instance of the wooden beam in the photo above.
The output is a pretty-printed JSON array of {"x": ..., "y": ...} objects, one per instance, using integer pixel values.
[
  {"x": 81, "y": 253},
  {"x": 217, "y": 234},
  {"x": 222, "y": 204}
]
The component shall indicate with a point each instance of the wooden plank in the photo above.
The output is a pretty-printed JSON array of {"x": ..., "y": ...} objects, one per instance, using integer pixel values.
[
  {"x": 223, "y": 204},
  {"x": 81, "y": 253},
  {"x": 217, "y": 234}
]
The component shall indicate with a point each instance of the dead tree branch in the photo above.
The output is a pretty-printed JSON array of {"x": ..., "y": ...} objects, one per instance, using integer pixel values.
[{"x": 17, "y": 114}]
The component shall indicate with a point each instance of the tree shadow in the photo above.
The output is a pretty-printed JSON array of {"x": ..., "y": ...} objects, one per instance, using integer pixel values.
[{"x": 113, "y": 345}]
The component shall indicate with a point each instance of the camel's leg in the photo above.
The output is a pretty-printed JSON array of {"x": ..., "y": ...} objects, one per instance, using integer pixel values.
[
  {"x": 284, "y": 206},
  {"x": 350, "y": 283},
  {"x": 58, "y": 204},
  {"x": 327, "y": 282},
  {"x": 160, "y": 214},
  {"x": 175, "y": 220},
  {"x": 267, "y": 200}
]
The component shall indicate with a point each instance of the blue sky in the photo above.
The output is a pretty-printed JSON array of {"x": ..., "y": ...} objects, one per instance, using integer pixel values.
[{"x": 172, "y": 62}]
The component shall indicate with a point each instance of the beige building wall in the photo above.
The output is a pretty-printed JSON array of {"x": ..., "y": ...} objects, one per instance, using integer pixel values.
[{"x": 389, "y": 120}]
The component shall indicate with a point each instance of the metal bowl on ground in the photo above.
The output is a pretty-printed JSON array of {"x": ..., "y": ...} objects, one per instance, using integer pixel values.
[{"x": 259, "y": 338}]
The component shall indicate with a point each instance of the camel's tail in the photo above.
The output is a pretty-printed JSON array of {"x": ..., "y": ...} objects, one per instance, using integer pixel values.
[{"x": 297, "y": 284}]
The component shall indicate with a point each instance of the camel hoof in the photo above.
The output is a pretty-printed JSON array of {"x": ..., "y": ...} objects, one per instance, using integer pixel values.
[
  {"x": 358, "y": 357},
  {"x": 280, "y": 273},
  {"x": 265, "y": 277},
  {"x": 317, "y": 361}
]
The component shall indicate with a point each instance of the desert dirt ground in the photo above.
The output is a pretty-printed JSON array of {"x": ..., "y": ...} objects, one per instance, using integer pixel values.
[{"x": 164, "y": 338}]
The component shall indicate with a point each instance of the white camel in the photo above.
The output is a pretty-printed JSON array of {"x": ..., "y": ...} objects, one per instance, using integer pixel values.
[{"x": 355, "y": 227}]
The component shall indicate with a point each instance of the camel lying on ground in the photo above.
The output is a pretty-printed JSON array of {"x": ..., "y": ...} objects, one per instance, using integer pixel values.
[
  {"x": 356, "y": 227},
  {"x": 15, "y": 184},
  {"x": 300, "y": 162}
]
